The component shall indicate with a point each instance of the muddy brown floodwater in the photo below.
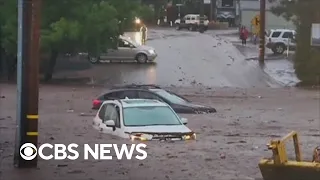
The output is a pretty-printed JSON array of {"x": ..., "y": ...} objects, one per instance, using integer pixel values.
[{"x": 228, "y": 146}]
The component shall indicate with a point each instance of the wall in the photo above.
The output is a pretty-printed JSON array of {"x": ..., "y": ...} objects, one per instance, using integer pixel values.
[{"x": 272, "y": 21}]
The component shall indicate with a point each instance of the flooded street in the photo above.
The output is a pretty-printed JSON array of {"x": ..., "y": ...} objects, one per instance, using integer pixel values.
[
  {"x": 209, "y": 69},
  {"x": 186, "y": 59},
  {"x": 229, "y": 143}
]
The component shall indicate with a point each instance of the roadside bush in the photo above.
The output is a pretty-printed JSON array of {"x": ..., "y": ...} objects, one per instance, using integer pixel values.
[
  {"x": 307, "y": 66},
  {"x": 307, "y": 58}
]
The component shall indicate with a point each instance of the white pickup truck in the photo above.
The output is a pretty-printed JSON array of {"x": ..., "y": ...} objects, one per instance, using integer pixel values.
[{"x": 191, "y": 22}]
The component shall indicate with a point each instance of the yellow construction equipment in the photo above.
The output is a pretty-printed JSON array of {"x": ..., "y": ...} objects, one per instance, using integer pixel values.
[{"x": 280, "y": 168}]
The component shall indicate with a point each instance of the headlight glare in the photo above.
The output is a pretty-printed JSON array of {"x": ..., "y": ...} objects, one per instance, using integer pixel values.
[{"x": 151, "y": 51}]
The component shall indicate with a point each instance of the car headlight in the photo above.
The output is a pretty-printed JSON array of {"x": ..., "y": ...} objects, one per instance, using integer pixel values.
[{"x": 151, "y": 51}]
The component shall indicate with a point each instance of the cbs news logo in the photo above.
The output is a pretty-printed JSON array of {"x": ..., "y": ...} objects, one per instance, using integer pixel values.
[{"x": 28, "y": 151}]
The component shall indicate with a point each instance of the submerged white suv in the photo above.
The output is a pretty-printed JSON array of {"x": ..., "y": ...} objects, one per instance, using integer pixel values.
[
  {"x": 279, "y": 40},
  {"x": 141, "y": 119}
]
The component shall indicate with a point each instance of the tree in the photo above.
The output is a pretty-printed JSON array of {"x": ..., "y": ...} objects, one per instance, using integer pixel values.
[
  {"x": 8, "y": 36},
  {"x": 307, "y": 58},
  {"x": 146, "y": 13},
  {"x": 85, "y": 25},
  {"x": 71, "y": 26}
]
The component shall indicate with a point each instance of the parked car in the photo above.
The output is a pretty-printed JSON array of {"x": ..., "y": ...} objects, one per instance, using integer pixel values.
[
  {"x": 279, "y": 40},
  {"x": 192, "y": 22},
  {"x": 177, "y": 102},
  {"x": 141, "y": 119},
  {"x": 127, "y": 50}
]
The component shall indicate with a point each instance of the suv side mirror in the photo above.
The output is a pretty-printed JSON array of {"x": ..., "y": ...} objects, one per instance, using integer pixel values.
[
  {"x": 110, "y": 123},
  {"x": 184, "y": 121}
]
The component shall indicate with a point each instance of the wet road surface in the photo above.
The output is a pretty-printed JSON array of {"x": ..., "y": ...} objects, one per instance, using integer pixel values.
[
  {"x": 186, "y": 59},
  {"x": 229, "y": 143},
  {"x": 279, "y": 67}
]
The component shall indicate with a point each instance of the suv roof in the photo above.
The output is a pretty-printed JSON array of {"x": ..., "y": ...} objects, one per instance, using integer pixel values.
[
  {"x": 143, "y": 87},
  {"x": 139, "y": 103},
  {"x": 137, "y": 86},
  {"x": 279, "y": 33},
  {"x": 282, "y": 30}
]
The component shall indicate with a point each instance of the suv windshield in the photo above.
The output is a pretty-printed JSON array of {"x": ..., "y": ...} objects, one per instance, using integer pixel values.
[
  {"x": 149, "y": 116},
  {"x": 171, "y": 97}
]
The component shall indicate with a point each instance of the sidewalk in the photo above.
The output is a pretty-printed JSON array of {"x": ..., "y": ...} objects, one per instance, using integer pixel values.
[{"x": 279, "y": 68}]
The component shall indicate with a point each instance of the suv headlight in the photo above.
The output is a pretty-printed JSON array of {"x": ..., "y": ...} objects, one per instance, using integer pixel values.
[
  {"x": 151, "y": 51},
  {"x": 140, "y": 137},
  {"x": 190, "y": 137}
]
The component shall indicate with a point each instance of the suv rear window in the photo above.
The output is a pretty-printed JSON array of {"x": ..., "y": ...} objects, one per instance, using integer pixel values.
[
  {"x": 275, "y": 34},
  {"x": 287, "y": 35}
]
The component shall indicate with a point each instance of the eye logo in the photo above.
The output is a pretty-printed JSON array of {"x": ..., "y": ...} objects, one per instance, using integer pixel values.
[{"x": 28, "y": 151}]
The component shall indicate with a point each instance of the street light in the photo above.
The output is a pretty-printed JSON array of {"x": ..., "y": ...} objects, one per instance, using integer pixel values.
[{"x": 137, "y": 20}]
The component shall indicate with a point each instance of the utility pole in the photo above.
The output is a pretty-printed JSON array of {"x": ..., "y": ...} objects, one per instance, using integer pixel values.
[
  {"x": 201, "y": 8},
  {"x": 213, "y": 7},
  {"x": 201, "y": 27},
  {"x": 262, "y": 31},
  {"x": 27, "y": 78},
  {"x": 1, "y": 53},
  {"x": 211, "y": 10}
]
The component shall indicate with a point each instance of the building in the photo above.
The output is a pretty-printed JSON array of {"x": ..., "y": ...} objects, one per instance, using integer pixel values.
[
  {"x": 228, "y": 11},
  {"x": 250, "y": 8},
  {"x": 221, "y": 10},
  {"x": 184, "y": 7}
]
